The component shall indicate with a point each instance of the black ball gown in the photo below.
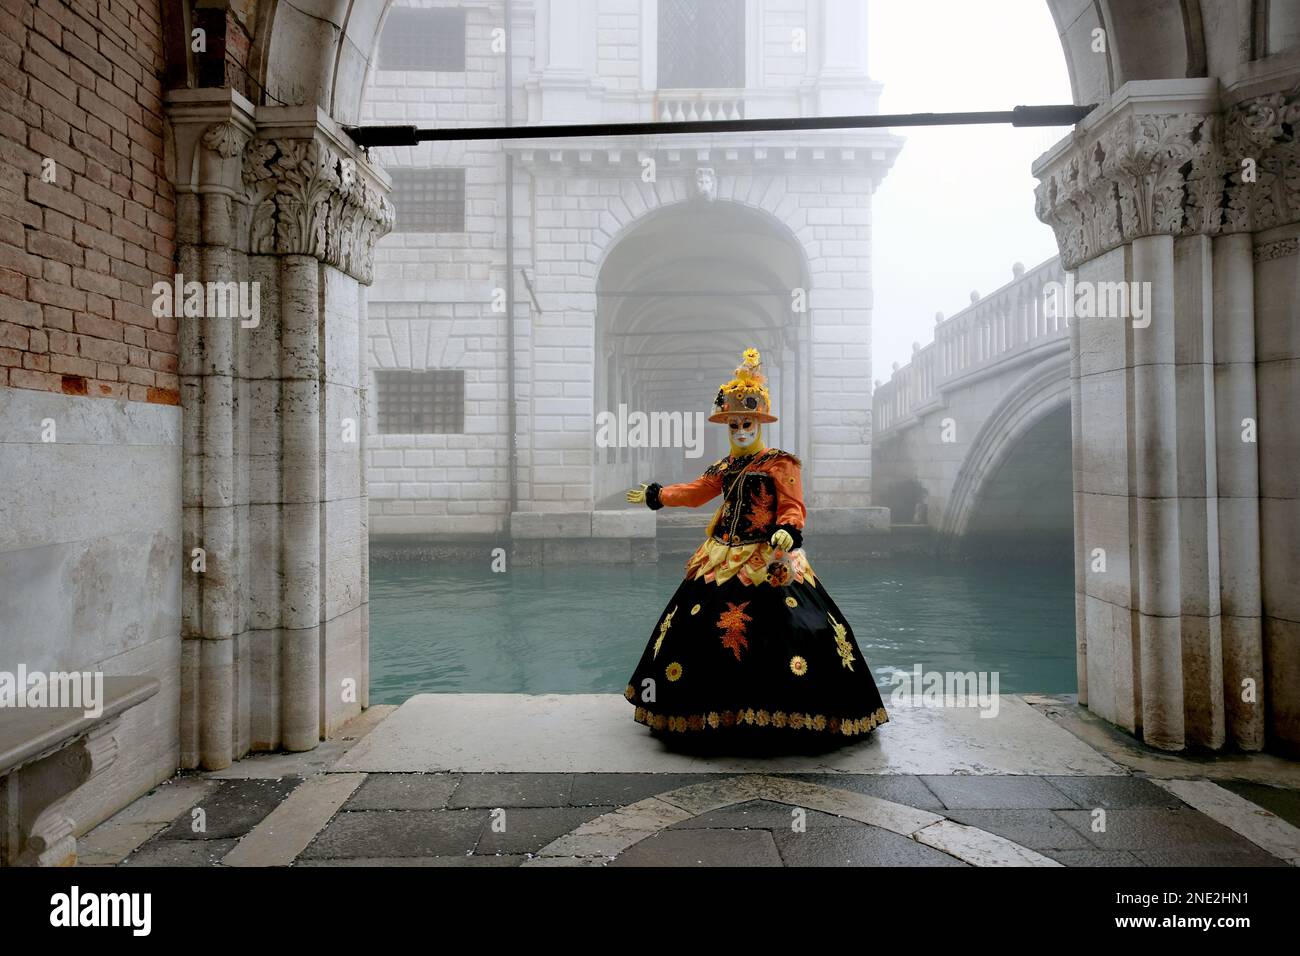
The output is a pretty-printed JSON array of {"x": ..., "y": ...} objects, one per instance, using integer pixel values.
[{"x": 751, "y": 648}]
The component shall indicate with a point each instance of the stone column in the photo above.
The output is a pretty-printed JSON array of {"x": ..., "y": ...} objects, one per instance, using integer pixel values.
[
  {"x": 1187, "y": 500},
  {"x": 275, "y": 615}
]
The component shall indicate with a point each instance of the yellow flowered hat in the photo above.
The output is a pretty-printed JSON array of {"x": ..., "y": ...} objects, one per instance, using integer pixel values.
[{"x": 745, "y": 394}]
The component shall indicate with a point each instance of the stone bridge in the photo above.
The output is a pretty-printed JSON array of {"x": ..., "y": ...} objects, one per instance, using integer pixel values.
[{"x": 972, "y": 437}]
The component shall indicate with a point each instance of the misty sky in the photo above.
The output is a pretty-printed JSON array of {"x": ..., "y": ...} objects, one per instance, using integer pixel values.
[{"x": 958, "y": 207}]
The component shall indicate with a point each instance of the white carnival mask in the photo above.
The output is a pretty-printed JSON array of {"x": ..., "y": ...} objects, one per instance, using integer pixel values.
[{"x": 743, "y": 431}]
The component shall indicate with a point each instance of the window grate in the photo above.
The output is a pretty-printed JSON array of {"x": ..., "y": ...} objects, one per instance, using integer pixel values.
[
  {"x": 430, "y": 402},
  {"x": 424, "y": 41},
  {"x": 701, "y": 45},
  {"x": 429, "y": 200}
]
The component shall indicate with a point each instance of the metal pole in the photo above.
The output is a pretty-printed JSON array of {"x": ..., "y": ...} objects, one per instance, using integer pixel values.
[{"x": 1052, "y": 115}]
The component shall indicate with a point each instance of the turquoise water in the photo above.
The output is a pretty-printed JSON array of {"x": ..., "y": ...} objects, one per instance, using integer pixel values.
[{"x": 570, "y": 630}]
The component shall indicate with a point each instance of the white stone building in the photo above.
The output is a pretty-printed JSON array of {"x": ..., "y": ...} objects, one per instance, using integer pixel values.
[{"x": 643, "y": 266}]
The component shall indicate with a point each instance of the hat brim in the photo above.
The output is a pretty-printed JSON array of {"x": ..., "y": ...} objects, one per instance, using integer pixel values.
[{"x": 721, "y": 417}]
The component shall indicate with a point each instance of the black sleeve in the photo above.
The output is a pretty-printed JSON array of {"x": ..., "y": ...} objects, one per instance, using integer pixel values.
[
  {"x": 652, "y": 496},
  {"x": 795, "y": 533}
]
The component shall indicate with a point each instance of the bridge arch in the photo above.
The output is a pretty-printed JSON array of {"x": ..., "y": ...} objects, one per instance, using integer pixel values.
[{"x": 1031, "y": 405}]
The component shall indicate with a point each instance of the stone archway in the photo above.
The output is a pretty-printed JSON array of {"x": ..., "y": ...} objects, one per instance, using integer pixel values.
[
  {"x": 681, "y": 292},
  {"x": 1150, "y": 188}
]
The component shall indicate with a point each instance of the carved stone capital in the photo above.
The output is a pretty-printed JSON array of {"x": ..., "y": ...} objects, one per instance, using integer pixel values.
[
  {"x": 295, "y": 183},
  {"x": 1138, "y": 171},
  {"x": 306, "y": 197}
]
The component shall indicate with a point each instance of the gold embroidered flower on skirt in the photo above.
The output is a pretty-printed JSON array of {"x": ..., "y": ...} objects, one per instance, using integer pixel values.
[
  {"x": 663, "y": 631},
  {"x": 791, "y": 602},
  {"x": 841, "y": 642},
  {"x": 673, "y": 671},
  {"x": 798, "y": 665}
]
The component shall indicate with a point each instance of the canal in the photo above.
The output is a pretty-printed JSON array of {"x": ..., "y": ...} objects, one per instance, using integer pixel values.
[{"x": 437, "y": 627}]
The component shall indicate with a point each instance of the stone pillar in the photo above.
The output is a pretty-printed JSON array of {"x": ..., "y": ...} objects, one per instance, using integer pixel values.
[
  {"x": 275, "y": 614},
  {"x": 1187, "y": 495}
]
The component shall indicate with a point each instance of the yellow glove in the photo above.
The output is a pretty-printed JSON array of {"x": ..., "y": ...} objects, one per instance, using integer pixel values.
[
  {"x": 781, "y": 540},
  {"x": 637, "y": 495}
]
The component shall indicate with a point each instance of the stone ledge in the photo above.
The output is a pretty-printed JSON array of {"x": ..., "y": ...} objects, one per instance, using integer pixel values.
[{"x": 825, "y": 521}]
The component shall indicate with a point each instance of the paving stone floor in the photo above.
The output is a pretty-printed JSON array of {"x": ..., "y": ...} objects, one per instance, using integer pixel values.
[
  {"x": 569, "y": 780},
  {"x": 506, "y": 819}
]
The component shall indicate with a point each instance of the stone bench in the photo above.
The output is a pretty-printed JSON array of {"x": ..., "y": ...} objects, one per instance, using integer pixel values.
[{"x": 46, "y": 754}]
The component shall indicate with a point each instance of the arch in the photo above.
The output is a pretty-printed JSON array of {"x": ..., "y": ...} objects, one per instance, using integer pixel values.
[
  {"x": 660, "y": 322},
  {"x": 1035, "y": 396}
]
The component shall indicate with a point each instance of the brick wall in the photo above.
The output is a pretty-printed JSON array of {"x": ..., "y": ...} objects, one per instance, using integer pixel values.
[{"x": 79, "y": 85}]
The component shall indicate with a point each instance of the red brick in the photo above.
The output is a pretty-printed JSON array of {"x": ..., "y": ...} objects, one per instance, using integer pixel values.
[
  {"x": 52, "y": 247},
  {"x": 57, "y": 318},
  {"x": 47, "y": 25},
  {"x": 40, "y": 363},
  {"x": 12, "y": 283},
  {"x": 19, "y": 260},
  {"x": 111, "y": 390},
  {"x": 20, "y": 311},
  {"x": 11, "y": 358},
  {"x": 134, "y": 314},
  {"x": 94, "y": 282},
  {"x": 26, "y": 378},
  {"x": 97, "y": 239},
  {"x": 49, "y": 294},
  {"x": 164, "y": 396},
  {"x": 44, "y": 194},
  {"x": 71, "y": 365},
  {"x": 14, "y": 336},
  {"x": 74, "y": 385},
  {"x": 49, "y": 75},
  {"x": 55, "y": 272},
  {"x": 57, "y": 224},
  {"x": 65, "y": 157},
  {"x": 98, "y": 325},
  {"x": 48, "y": 52},
  {"x": 136, "y": 376},
  {"x": 89, "y": 56},
  {"x": 93, "y": 192},
  {"x": 102, "y": 350},
  {"x": 39, "y": 341},
  {"x": 63, "y": 343}
]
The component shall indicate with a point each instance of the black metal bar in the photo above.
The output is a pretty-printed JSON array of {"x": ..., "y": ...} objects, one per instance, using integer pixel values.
[{"x": 1050, "y": 115}]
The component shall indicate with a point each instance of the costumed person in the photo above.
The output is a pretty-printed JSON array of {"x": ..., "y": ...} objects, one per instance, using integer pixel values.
[{"x": 751, "y": 647}]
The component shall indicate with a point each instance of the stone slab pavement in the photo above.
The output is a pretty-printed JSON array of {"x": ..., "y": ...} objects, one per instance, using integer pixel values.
[{"x": 554, "y": 780}]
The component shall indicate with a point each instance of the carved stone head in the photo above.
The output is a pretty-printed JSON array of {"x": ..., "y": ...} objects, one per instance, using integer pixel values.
[{"x": 706, "y": 183}]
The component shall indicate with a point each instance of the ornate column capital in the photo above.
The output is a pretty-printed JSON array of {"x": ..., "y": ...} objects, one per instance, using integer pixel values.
[
  {"x": 309, "y": 192},
  {"x": 296, "y": 184},
  {"x": 1164, "y": 158}
]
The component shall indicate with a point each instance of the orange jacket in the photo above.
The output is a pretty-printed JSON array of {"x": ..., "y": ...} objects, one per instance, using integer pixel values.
[{"x": 782, "y": 466}]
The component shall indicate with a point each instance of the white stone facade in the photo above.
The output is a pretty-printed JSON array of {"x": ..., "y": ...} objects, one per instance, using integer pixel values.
[{"x": 788, "y": 218}]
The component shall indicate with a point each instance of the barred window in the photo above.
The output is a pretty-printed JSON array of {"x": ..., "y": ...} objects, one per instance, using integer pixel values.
[
  {"x": 421, "y": 403},
  {"x": 424, "y": 41},
  {"x": 429, "y": 200},
  {"x": 701, "y": 44}
]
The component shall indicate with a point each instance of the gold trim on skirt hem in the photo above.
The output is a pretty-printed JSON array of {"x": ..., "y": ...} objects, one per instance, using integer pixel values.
[{"x": 716, "y": 719}]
